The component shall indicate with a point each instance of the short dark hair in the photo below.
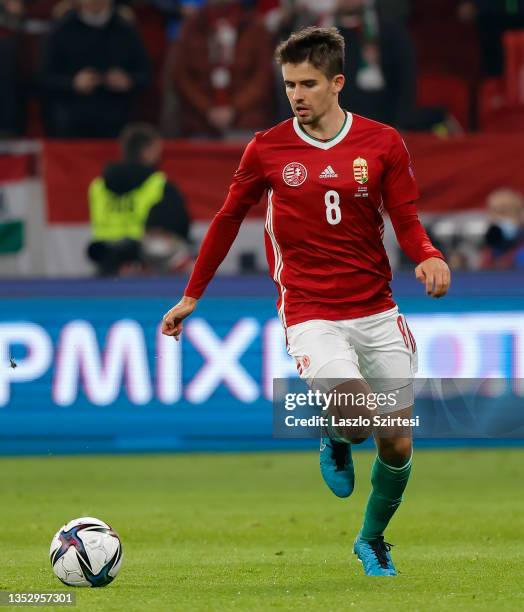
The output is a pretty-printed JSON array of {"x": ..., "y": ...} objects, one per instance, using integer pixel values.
[
  {"x": 135, "y": 138},
  {"x": 321, "y": 47}
]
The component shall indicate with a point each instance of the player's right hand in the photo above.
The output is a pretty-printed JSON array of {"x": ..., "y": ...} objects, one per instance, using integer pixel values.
[{"x": 172, "y": 322}]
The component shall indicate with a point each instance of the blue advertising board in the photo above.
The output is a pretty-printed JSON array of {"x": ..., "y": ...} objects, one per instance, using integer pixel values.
[{"x": 84, "y": 367}]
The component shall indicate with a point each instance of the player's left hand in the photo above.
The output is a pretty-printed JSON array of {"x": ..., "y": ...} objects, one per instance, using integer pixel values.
[{"x": 434, "y": 273}]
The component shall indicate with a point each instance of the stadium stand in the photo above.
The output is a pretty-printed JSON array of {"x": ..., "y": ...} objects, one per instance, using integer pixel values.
[{"x": 452, "y": 79}]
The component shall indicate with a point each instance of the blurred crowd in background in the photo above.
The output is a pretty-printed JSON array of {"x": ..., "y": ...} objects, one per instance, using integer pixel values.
[
  {"x": 196, "y": 69},
  {"x": 84, "y": 68}
]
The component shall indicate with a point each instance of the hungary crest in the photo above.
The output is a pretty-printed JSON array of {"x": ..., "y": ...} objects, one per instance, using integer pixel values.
[{"x": 360, "y": 170}]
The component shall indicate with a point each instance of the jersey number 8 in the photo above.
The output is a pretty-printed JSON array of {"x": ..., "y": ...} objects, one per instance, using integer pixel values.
[{"x": 333, "y": 212}]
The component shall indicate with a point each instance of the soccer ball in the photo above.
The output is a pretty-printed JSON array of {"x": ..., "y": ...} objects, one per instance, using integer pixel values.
[{"x": 86, "y": 552}]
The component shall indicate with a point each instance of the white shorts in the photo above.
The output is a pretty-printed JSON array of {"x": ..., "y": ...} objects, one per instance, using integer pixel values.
[{"x": 379, "y": 348}]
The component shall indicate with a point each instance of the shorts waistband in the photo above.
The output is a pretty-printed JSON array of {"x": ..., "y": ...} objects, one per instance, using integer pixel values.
[{"x": 377, "y": 316}]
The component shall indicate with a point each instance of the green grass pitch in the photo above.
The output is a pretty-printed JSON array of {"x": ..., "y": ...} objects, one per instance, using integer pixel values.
[{"x": 262, "y": 532}]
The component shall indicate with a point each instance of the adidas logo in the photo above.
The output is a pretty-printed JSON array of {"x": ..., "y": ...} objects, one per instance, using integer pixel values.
[{"x": 328, "y": 173}]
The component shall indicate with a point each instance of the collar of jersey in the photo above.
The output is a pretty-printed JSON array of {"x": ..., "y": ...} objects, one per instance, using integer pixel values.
[{"x": 324, "y": 144}]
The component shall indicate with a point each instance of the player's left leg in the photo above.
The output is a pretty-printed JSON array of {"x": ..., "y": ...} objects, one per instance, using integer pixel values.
[
  {"x": 389, "y": 477},
  {"x": 387, "y": 354}
]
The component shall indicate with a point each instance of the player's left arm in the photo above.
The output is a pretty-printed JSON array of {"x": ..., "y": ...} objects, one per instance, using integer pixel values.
[
  {"x": 432, "y": 270},
  {"x": 399, "y": 192}
]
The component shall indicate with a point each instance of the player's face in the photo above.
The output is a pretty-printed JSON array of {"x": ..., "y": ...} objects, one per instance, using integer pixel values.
[{"x": 310, "y": 93}]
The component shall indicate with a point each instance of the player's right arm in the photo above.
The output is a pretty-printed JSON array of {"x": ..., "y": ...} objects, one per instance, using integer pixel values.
[{"x": 248, "y": 185}]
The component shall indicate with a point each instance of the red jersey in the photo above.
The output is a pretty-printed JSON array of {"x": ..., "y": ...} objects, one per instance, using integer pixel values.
[{"x": 324, "y": 224}]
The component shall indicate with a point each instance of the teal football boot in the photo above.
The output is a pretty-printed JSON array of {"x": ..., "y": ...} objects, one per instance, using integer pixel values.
[
  {"x": 336, "y": 466},
  {"x": 375, "y": 557}
]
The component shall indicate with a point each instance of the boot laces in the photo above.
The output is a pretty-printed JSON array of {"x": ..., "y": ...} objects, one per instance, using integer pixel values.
[
  {"x": 339, "y": 452},
  {"x": 381, "y": 549}
]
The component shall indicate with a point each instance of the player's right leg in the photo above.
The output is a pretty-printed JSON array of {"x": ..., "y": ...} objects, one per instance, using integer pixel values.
[
  {"x": 389, "y": 477},
  {"x": 336, "y": 466},
  {"x": 326, "y": 361}
]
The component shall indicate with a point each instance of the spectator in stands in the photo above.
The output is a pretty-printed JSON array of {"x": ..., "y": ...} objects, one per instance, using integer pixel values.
[
  {"x": 93, "y": 64},
  {"x": 380, "y": 63},
  {"x": 291, "y": 16},
  {"x": 176, "y": 12},
  {"x": 11, "y": 90},
  {"x": 494, "y": 17},
  {"x": 504, "y": 239},
  {"x": 222, "y": 72},
  {"x": 139, "y": 219},
  {"x": 394, "y": 9},
  {"x": 381, "y": 68}
]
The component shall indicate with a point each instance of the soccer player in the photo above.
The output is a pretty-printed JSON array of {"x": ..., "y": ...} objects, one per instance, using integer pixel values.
[{"x": 329, "y": 175}]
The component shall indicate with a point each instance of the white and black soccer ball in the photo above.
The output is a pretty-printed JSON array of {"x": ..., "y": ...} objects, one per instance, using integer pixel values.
[{"x": 86, "y": 553}]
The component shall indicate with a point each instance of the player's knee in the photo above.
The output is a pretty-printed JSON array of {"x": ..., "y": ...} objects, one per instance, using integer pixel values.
[{"x": 395, "y": 451}]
